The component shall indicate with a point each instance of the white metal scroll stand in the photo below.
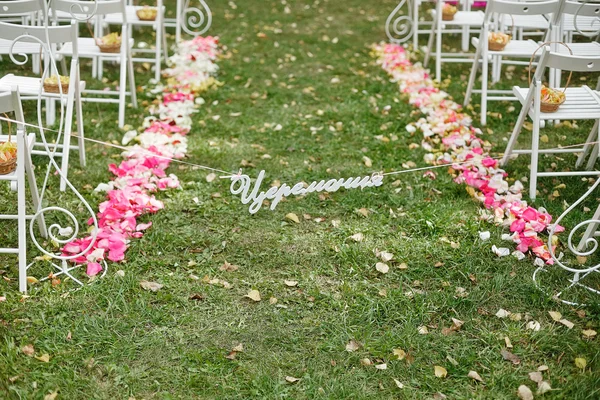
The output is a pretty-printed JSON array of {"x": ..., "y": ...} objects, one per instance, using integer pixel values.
[
  {"x": 193, "y": 17},
  {"x": 586, "y": 247},
  {"x": 399, "y": 28},
  {"x": 56, "y": 233}
]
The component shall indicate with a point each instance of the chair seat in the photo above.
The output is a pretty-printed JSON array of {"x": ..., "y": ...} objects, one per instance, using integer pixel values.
[
  {"x": 526, "y": 21},
  {"x": 131, "y": 15},
  {"x": 590, "y": 49},
  {"x": 87, "y": 48},
  {"x": 20, "y": 48},
  {"x": 581, "y": 103},
  {"x": 28, "y": 86},
  {"x": 514, "y": 48},
  {"x": 30, "y": 142},
  {"x": 464, "y": 18}
]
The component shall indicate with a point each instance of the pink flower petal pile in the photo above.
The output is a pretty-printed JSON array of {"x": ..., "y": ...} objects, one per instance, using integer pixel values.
[
  {"x": 450, "y": 138},
  {"x": 142, "y": 173}
]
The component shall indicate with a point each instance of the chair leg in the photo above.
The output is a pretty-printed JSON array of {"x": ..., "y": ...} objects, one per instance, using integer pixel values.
[
  {"x": 484, "y": 87},
  {"x": 438, "y": 54},
  {"x": 586, "y": 148},
  {"x": 35, "y": 196},
  {"x": 80, "y": 128},
  {"x": 159, "y": 50},
  {"x": 165, "y": 44},
  {"x": 472, "y": 77},
  {"x": 415, "y": 26},
  {"x": 22, "y": 213},
  {"x": 594, "y": 155},
  {"x": 430, "y": 42},
  {"x": 535, "y": 144},
  {"x": 122, "y": 90},
  {"x": 66, "y": 150},
  {"x": 514, "y": 135},
  {"x": 132, "y": 86}
]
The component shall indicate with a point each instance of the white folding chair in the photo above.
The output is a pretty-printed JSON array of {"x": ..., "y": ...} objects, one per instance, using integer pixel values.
[
  {"x": 464, "y": 21},
  {"x": 24, "y": 12},
  {"x": 87, "y": 48},
  {"x": 161, "y": 49},
  {"x": 514, "y": 48},
  {"x": 31, "y": 88},
  {"x": 582, "y": 103},
  {"x": 10, "y": 102}
]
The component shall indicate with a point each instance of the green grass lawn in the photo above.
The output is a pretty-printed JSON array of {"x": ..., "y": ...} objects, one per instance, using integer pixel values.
[{"x": 282, "y": 60}]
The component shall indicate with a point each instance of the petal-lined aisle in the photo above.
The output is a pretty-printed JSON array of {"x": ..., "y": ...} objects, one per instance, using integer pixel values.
[
  {"x": 449, "y": 138},
  {"x": 143, "y": 170}
]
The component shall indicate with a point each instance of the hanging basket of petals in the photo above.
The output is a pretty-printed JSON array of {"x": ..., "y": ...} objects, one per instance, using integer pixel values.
[
  {"x": 8, "y": 155},
  {"x": 551, "y": 98},
  {"x": 51, "y": 84},
  {"x": 110, "y": 43},
  {"x": 147, "y": 13},
  {"x": 497, "y": 41},
  {"x": 448, "y": 11}
]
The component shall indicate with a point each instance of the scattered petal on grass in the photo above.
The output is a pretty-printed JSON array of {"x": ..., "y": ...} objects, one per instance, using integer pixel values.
[
  {"x": 533, "y": 325},
  {"x": 507, "y": 342},
  {"x": 543, "y": 368},
  {"x": 385, "y": 256},
  {"x": 440, "y": 372},
  {"x": 273, "y": 300},
  {"x": 567, "y": 323},
  {"x": 51, "y": 396},
  {"x": 120, "y": 273},
  {"x": 501, "y": 251},
  {"x": 292, "y": 217},
  {"x": 253, "y": 295},
  {"x": 451, "y": 360},
  {"x": 543, "y": 387},
  {"x": 363, "y": 211},
  {"x": 358, "y": 237},
  {"x": 508, "y": 356},
  {"x": 43, "y": 358},
  {"x": 151, "y": 286},
  {"x": 353, "y": 345},
  {"x": 211, "y": 177},
  {"x": 502, "y": 313},
  {"x": 382, "y": 267},
  {"x": 291, "y": 379},
  {"x": 228, "y": 267},
  {"x": 398, "y": 384},
  {"x": 524, "y": 393},
  {"x": 484, "y": 235},
  {"x": 366, "y": 362},
  {"x": 589, "y": 333},
  {"x": 580, "y": 362},
  {"x": 28, "y": 350},
  {"x": 536, "y": 376},
  {"x": 381, "y": 366},
  {"x": 423, "y": 330},
  {"x": 367, "y": 161},
  {"x": 239, "y": 348},
  {"x": 475, "y": 375},
  {"x": 290, "y": 283},
  {"x": 555, "y": 315}
]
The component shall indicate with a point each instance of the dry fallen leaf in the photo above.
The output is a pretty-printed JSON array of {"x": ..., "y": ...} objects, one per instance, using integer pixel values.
[
  {"x": 363, "y": 211},
  {"x": 28, "y": 350},
  {"x": 589, "y": 333},
  {"x": 440, "y": 372},
  {"x": 151, "y": 286},
  {"x": 399, "y": 353},
  {"x": 580, "y": 362},
  {"x": 358, "y": 237},
  {"x": 382, "y": 267},
  {"x": 253, "y": 295},
  {"x": 291, "y": 379},
  {"x": 508, "y": 356},
  {"x": 228, "y": 267},
  {"x": 475, "y": 375},
  {"x": 353, "y": 345},
  {"x": 239, "y": 348},
  {"x": 555, "y": 315},
  {"x": 292, "y": 217},
  {"x": 524, "y": 393}
]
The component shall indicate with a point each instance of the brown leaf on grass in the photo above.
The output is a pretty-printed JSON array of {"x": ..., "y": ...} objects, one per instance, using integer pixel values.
[
  {"x": 28, "y": 350},
  {"x": 439, "y": 371},
  {"x": 524, "y": 393},
  {"x": 231, "y": 355},
  {"x": 508, "y": 356},
  {"x": 353, "y": 345},
  {"x": 228, "y": 267},
  {"x": 197, "y": 296},
  {"x": 253, "y": 295},
  {"x": 151, "y": 286},
  {"x": 474, "y": 375}
]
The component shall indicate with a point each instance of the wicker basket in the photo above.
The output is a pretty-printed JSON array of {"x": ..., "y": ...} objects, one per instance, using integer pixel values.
[
  {"x": 108, "y": 48},
  {"x": 499, "y": 46},
  {"x": 142, "y": 14},
  {"x": 6, "y": 167},
  {"x": 448, "y": 16},
  {"x": 551, "y": 107},
  {"x": 53, "y": 88}
]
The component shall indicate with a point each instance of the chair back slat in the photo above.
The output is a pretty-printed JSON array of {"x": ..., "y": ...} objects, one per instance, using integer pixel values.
[
  {"x": 582, "y": 9},
  {"x": 20, "y": 7},
  {"x": 522, "y": 7},
  {"x": 89, "y": 8},
  {"x": 56, "y": 34},
  {"x": 567, "y": 62}
]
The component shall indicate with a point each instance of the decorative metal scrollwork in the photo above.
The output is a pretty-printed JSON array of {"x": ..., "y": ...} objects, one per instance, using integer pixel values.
[
  {"x": 193, "y": 20},
  {"x": 592, "y": 27},
  {"x": 583, "y": 249},
  {"x": 399, "y": 27}
]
